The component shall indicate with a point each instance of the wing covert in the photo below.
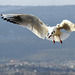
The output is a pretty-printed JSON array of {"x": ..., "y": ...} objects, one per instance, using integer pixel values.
[
  {"x": 31, "y": 22},
  {"x": 67, "y": 25}
]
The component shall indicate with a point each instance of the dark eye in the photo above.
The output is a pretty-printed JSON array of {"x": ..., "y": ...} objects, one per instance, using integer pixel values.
[{"x": 53, "y": 31}]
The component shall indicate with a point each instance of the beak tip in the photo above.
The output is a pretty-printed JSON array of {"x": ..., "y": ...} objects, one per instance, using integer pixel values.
[{"x": 49, "y": 36}]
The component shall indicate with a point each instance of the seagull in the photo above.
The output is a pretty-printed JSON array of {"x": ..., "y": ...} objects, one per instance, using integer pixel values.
[{"x": 34, "y": 24}]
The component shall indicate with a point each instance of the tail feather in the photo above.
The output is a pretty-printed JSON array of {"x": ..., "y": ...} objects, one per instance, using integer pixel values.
[{"x": 63, "y": 36}]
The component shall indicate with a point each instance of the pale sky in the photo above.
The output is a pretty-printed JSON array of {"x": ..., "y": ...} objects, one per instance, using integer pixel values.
[{"x": 37, "y": 2}]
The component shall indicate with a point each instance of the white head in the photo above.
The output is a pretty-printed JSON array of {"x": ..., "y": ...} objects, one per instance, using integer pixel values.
[{"x": 52, "y": 31}]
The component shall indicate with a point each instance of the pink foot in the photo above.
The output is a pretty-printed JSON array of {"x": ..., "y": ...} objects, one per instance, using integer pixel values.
[
  {"x": 61, "y": 42},
  {"x": 53, "y": 42}
]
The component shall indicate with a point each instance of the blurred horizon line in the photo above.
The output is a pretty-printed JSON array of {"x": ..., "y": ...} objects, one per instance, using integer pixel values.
[{"x": 38, "y": 5}]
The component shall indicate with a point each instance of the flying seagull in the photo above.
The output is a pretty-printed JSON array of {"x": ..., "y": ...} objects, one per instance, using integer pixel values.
[{"x": 35, "y": 25}]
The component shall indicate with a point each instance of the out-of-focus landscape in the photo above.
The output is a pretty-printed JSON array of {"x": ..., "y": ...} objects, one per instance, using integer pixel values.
[{"x": 23, "y": 53}]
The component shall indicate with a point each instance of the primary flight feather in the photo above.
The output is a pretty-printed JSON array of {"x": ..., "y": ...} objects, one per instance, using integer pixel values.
[{"x": 35, "y": 25}]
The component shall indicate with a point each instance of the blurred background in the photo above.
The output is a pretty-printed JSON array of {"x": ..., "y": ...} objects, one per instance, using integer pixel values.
[{"x": 18, "y": 43}]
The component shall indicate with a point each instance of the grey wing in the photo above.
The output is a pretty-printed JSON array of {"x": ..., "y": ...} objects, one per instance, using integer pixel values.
[
  {"x": 31, "y": 22},
  {"x": 67, "y": 25}
]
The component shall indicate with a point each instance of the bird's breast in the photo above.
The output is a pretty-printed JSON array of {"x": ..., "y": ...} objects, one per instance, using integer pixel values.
[{"x": 58, "y": 32}]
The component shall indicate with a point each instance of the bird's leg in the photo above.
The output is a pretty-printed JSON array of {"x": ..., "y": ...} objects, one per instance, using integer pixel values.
[
  {"x": 60, "y": 40},
  {"x": 53, "y": 40}
]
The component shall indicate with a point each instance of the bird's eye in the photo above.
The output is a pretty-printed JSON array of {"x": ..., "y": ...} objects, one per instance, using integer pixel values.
[{"x": 53, "y": 31}]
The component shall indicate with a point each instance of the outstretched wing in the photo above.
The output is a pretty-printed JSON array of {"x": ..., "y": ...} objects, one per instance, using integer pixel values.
[
  {"x": 31, "y": 22},
  {"x": 67, "y": 25}
]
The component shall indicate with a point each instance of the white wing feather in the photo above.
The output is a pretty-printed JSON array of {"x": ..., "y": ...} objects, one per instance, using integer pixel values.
[
  {"x": 31, "y": 22},
  {"x": 67, "y": 25}
]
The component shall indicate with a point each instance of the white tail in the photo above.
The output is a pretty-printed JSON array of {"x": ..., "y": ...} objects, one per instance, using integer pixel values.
[{"x": 63, "y": 36}]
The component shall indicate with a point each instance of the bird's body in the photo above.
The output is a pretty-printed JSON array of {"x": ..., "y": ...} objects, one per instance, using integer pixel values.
[{"x": 35, "y": 25}]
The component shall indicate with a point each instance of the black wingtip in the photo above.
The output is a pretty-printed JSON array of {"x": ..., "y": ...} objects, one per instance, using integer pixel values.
[
  {"x": 5, "y": 18},
  {"x": 1, "y": 15}
]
